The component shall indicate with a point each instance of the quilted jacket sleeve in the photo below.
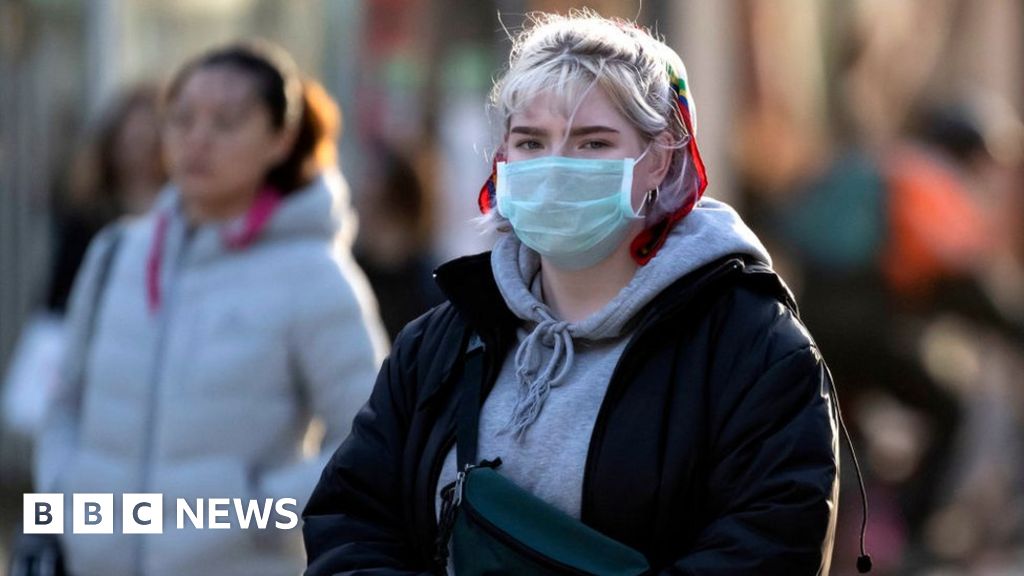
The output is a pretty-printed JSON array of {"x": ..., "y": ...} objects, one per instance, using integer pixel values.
[
  {"x": 338, "y": 344},
  {"x": 773, "y": 483},
  {"x": 354, "y": 521}
]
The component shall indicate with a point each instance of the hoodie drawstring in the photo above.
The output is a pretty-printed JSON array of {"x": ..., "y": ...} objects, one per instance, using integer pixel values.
[{"x": 534, "y": 385}]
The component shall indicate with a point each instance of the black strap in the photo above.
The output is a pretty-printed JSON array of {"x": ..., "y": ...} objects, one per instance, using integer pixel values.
[
  {"x": 468, "y": 414},
  {"x": 467, "y": 422},
  {"x": 102, "y": 277},
  {"x": 99, "y": 288}
]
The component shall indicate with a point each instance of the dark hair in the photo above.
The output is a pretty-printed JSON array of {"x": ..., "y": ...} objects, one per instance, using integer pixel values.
[
  {"x": 955, "y": 129},
  {"x": 290, "y": 100},
  {"x": 400, "y": 193},
  {"x": 95, "y": 182}
]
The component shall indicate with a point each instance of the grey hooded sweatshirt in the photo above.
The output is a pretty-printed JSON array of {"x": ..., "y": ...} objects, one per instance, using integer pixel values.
[{"x": 540, "y": 414}]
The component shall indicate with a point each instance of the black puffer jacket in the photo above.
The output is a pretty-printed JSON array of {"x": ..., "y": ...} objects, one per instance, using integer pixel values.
[{"x": 714, "y": 452}]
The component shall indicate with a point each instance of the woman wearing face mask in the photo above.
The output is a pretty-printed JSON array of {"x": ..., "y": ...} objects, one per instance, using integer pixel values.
[
  {"x": 625, "y": 350},
  {"x": 206, "y": 336}
]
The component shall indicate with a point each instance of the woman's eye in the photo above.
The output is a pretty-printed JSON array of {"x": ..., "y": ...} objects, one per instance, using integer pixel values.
[
  {"x": 226, "y": 121},
  {"x": 528, "y": 145},
  {"x": 594, "y": 145}
]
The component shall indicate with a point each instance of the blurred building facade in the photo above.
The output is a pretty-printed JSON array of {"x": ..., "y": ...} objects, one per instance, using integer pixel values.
[{"x": 414, "y": 73}]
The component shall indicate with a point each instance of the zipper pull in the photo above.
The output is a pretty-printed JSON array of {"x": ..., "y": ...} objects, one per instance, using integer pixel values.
[
  {"x": 460, "y": 479},
  {"x": 451, "y": 497}
]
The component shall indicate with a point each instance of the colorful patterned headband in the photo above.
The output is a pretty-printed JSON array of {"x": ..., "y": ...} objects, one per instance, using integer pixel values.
[
  {"x": 647, "y": 243},
  {"x": 686, "y": 111}
]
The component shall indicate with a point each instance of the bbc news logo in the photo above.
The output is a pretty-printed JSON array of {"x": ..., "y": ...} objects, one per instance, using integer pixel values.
[{"x": 144, "y": 513}]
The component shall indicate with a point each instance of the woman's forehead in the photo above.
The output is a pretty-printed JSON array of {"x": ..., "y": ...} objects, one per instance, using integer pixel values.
[
  {"x": 556, "y": 108},
  {"x": 219, "y": 85}
]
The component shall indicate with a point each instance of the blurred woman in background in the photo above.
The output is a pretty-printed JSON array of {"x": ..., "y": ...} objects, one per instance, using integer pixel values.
[
  {"x": 396, "y": 230},
  {"x": 119, "y": 170},
  {"x": 208, "y": 335}
]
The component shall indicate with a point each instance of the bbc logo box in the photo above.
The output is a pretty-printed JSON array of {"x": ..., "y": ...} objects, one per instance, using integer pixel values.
[
  {"x": 93, "y": 513},
  {"x": 43, "y": 513}
]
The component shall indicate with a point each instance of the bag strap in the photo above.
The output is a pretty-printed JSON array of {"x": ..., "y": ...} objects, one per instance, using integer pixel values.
[
  {"x": 100, "y": 281},
  {"x": 468, "y": 412},
  {"x": 102, "y": 278},
  {"x": 467, "y": 427}
]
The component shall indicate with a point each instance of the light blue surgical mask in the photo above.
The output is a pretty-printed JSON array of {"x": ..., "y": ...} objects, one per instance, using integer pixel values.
[{"x": 573, "y": 211}]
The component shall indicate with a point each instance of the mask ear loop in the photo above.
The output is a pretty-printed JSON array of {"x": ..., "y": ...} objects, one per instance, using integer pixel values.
[
  {"x": 652, "y": 195},
  {"x": 647, "y": 243},
  {"x": 644, "y": 153}
]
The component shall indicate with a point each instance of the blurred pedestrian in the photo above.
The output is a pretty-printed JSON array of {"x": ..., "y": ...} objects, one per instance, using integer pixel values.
[
  {"x": 625, "y": 362},
  {"x": 396, "y": 232},
  {"x": 117, "y": 170},
  {"x": 207, "y": 335},
  {"x": 895, "y": 246}
]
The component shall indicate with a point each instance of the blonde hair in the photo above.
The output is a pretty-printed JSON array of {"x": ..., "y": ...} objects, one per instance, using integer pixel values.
[{"x": 567, "y": 55}]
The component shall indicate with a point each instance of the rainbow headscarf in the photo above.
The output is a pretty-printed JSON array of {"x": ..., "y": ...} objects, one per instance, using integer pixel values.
[{"x": 647, "y": 243}]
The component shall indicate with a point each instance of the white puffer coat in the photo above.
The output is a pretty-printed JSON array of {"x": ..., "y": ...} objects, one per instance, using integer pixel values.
[{"x": 212, "y": 392}]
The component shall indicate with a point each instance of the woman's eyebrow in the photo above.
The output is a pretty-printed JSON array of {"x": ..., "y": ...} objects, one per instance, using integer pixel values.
[
  {"x": 586, "y": 130},
  {"x": 580, "y": 131},
  {"x": 528, "y": 130}
]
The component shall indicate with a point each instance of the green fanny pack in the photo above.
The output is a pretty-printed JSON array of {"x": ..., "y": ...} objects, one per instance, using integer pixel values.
[
  {"x": 495, "y": 527},
  {"x": 499, "y": 528}
]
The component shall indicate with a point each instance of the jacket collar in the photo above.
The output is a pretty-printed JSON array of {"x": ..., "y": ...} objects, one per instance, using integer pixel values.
[{"x": 470, "y": 286}]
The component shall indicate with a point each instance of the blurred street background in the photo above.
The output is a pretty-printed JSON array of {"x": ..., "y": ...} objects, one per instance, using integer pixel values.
[{"x": 874, "y": 145}]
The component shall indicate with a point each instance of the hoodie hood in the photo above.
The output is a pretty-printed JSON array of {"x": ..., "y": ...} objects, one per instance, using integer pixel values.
[
  {"x": 319, "y": 210},
  {"x": 711, "y": 231},
  {"x": 544, "y": 358}
]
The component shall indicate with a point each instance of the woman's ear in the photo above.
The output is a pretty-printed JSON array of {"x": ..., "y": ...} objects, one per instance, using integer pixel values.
[{"x": 659, "y": 158}]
